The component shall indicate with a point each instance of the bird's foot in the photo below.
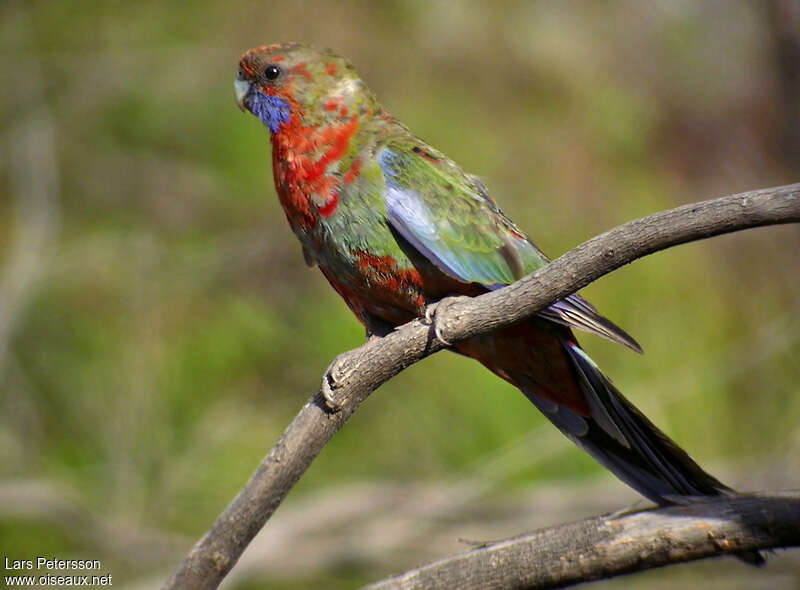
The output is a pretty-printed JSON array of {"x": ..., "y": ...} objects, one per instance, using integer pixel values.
[
  {"x": 336, "y": 373},
  {"x": 436, "y": 316}
]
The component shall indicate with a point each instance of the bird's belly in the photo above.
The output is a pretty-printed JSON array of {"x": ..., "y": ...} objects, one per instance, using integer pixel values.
[{"x": 378, "y": 284}]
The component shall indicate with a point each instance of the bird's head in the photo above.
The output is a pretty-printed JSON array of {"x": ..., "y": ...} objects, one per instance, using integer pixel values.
[{"x": 277, "y": 83}]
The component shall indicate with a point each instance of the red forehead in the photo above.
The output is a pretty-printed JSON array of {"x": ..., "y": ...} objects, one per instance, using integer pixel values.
[{"x": 256, "y": 57}]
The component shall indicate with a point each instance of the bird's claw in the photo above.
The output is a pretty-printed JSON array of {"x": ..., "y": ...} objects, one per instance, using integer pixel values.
[
  {"x": 430, "y": 320},
  {"x": 434, "y": 316},
  {"x": 430, "y": 312},
  {"x": 437, "y": 330},
  {"x": 334, "y": 375}
]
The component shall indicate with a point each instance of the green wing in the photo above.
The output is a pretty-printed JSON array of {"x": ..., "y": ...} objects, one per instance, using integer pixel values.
[{"x": 449, "y": 217}]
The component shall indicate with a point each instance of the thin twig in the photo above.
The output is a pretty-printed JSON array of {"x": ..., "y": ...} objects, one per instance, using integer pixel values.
[{"x": 367, "y": 367}]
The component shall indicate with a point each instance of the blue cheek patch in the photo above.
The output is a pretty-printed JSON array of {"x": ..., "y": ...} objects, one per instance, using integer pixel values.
[{"x": 272, "y": 110}]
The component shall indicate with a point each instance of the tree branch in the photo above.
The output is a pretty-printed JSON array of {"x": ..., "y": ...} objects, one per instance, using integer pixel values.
[
  {"x": 367, "y": 367},
  {"x": 607, "y": 546}
]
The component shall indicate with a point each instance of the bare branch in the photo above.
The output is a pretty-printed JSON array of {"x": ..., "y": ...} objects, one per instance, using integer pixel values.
[
  {"x": 367, "y": 367},
  {"x": 607, "y": 546}
]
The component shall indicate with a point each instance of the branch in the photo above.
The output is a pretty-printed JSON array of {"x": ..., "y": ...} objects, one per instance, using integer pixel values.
[
  {"x": 606, "y": 546},
  {"x": 369, "y": 366}
]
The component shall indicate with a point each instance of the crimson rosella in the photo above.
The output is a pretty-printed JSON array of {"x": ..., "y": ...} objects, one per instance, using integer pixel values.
[{"x": 394, "y": 225}]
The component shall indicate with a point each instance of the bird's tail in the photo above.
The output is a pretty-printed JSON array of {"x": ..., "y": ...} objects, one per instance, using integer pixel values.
[{"x": 622, "y": 439}]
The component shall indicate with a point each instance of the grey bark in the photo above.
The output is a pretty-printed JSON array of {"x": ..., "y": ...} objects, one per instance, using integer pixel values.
[
  {"x": 607, "y": 546},
  {"x": 364, "y": 369}
]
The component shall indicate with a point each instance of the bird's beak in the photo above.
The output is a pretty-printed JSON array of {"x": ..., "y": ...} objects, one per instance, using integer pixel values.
[{"x": 241, "y": 88}]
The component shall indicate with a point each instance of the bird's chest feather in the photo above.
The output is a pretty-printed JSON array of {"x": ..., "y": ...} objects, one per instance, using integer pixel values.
[{"x": 309, "y": 164}]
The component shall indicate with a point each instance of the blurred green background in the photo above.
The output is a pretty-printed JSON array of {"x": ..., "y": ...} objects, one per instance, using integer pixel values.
[{"x": 159, "y": 329}]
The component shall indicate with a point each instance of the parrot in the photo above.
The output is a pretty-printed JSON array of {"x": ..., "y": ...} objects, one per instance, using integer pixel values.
[{"x": 396, "y": 226}]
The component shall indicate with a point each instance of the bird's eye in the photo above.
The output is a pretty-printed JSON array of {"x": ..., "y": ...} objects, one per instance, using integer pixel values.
[{"x": 271, "y": 72}]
